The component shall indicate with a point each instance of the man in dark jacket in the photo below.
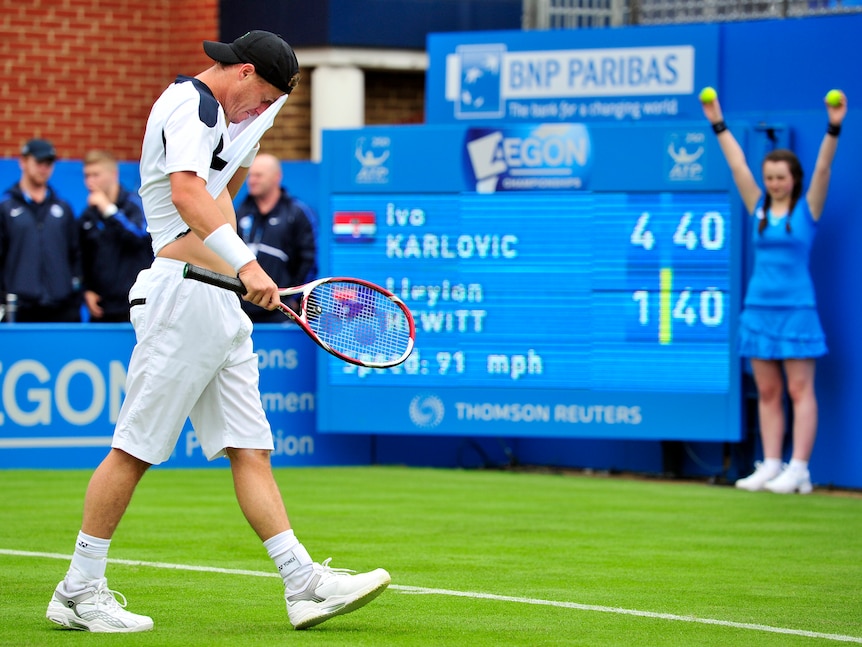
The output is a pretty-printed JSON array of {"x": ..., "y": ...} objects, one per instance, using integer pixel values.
[
  {"x": 39, "y": 255},
  {"x": 115, "y": 245},
  {"x": 280, "y": 230}
]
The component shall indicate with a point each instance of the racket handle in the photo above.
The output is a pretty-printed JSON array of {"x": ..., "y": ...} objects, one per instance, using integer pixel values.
[{"x": 204, "y": 275}]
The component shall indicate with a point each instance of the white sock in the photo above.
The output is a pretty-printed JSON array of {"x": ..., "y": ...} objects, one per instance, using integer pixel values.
[
  {"x": 798, "y": 465},
  {"x": 291, "y": 559},
  {"x": 89, "y": 561},
  {"x": 773, "y": 463}
]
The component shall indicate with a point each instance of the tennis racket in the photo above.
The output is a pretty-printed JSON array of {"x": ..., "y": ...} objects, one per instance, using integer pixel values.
[{"x": 357, "y": 321}]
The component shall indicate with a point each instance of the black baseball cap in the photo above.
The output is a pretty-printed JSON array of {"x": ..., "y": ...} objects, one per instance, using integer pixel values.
[
  {"x": 41, "y": 149},
  {"x": 272, "y": 57}
]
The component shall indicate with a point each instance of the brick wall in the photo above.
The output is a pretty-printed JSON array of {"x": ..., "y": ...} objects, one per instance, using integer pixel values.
[
  {"x": 190, "y": 22},
  {"x": 290, "y": 135},
  {"x": 394, "y": 98},
  {"x": 84, "y": 74}
]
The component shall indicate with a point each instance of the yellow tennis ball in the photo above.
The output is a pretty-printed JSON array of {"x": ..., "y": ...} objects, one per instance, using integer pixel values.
[
  {"x": 708, "y": 94},
  {"x": 834, "y": 98}
]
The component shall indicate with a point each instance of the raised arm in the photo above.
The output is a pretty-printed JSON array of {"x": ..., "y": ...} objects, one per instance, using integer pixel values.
[
  {"x": 742, "y": 175},
  {"x": 819, "y": 185}
]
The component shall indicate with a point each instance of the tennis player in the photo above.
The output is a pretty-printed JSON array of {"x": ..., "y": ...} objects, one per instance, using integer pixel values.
[{"x": 193, "y": 356}]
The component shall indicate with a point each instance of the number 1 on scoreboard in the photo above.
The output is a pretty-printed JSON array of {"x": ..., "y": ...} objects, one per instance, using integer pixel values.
[{"x": 665, "y": 309}]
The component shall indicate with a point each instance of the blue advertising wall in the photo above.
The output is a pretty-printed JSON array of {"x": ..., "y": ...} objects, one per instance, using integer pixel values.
[{"x": 62, "y": 386}]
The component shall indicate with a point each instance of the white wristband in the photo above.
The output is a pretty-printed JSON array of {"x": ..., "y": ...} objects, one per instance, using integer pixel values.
[
  {"x": 246, "y": 162},
  {"x": 224, "y": 242},
  {"x": 110, "y": 210}
]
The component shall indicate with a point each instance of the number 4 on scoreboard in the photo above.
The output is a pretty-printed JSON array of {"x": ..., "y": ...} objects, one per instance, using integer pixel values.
[{"x": 641, "y": 236}]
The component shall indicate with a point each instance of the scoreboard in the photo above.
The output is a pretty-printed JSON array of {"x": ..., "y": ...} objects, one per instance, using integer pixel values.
[{"x": 566, "y": 280}]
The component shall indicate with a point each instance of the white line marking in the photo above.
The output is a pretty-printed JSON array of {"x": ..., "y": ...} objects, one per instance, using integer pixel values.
[
  {"x": 60, "y": 441},
  {"x": 421, "y": 590}
]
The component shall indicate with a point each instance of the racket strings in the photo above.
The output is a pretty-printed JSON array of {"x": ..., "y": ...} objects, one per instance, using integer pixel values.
[{"x": 358, "y": 321}]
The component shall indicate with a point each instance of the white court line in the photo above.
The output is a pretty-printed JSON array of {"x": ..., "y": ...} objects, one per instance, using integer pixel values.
[
  {"x": 420, "y": 590},
  {"x": 62, "y": 441}
]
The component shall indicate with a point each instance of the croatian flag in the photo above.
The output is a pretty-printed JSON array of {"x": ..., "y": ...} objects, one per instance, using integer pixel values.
[{"x": 354, "y": 226}]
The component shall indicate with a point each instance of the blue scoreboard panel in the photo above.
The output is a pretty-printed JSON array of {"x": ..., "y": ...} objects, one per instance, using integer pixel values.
[{"x": 565, "y": 281}]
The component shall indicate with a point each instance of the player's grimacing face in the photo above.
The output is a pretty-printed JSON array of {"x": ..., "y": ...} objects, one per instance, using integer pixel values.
[
  {"x": 253, "y": 95},
  {"x": 778, "y": 179}
]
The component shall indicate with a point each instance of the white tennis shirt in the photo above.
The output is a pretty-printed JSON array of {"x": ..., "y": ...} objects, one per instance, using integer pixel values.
[{"x": 186, "y": 131}]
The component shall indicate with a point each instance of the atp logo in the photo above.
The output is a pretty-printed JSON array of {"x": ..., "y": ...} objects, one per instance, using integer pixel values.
[
  {"x": 372, "y": 154},
  {"x": 426, "y": 411},
  {"x": 685, "y": 156}
]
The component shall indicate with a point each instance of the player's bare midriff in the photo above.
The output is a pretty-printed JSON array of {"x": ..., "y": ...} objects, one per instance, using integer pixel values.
[{"x": 191, "y": 249}]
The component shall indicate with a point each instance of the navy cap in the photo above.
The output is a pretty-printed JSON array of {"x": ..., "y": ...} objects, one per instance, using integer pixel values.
[
  {"x": 41, "y": 149},
  {"x": 272, "y": 57}
]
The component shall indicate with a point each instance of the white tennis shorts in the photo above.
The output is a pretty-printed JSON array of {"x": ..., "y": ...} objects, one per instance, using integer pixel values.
[{"x": 193, "y": 359}]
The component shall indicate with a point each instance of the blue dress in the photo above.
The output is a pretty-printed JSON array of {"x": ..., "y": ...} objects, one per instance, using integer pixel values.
[{"x": 779, "y": 318}]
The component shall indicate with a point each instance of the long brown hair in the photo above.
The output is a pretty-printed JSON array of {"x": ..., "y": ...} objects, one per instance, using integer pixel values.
[{"x": 783, "y": 155}]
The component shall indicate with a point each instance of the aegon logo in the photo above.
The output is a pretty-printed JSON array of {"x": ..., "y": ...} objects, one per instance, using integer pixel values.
[
  {"x": 28, "y": 406},
  {"x": 550, "y": 156}
]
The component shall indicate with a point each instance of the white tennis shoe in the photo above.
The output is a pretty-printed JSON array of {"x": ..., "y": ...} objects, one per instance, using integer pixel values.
[
  {"x": 95, "y": 609},
  {"x": 758, "y": 479},
  {"x": 791, "y": 480},
  {"x": 333, "y": 592}
]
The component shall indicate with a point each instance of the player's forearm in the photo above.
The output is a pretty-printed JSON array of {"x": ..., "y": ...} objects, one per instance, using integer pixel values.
[{"x": 196, "y": 206}]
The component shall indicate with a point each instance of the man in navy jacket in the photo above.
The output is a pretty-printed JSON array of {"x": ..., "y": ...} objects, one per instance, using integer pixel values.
[
  {"x": 115, "y": 245},
  {"x": 39, "y": 253},
  {"x": 279, "y": 229}
]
